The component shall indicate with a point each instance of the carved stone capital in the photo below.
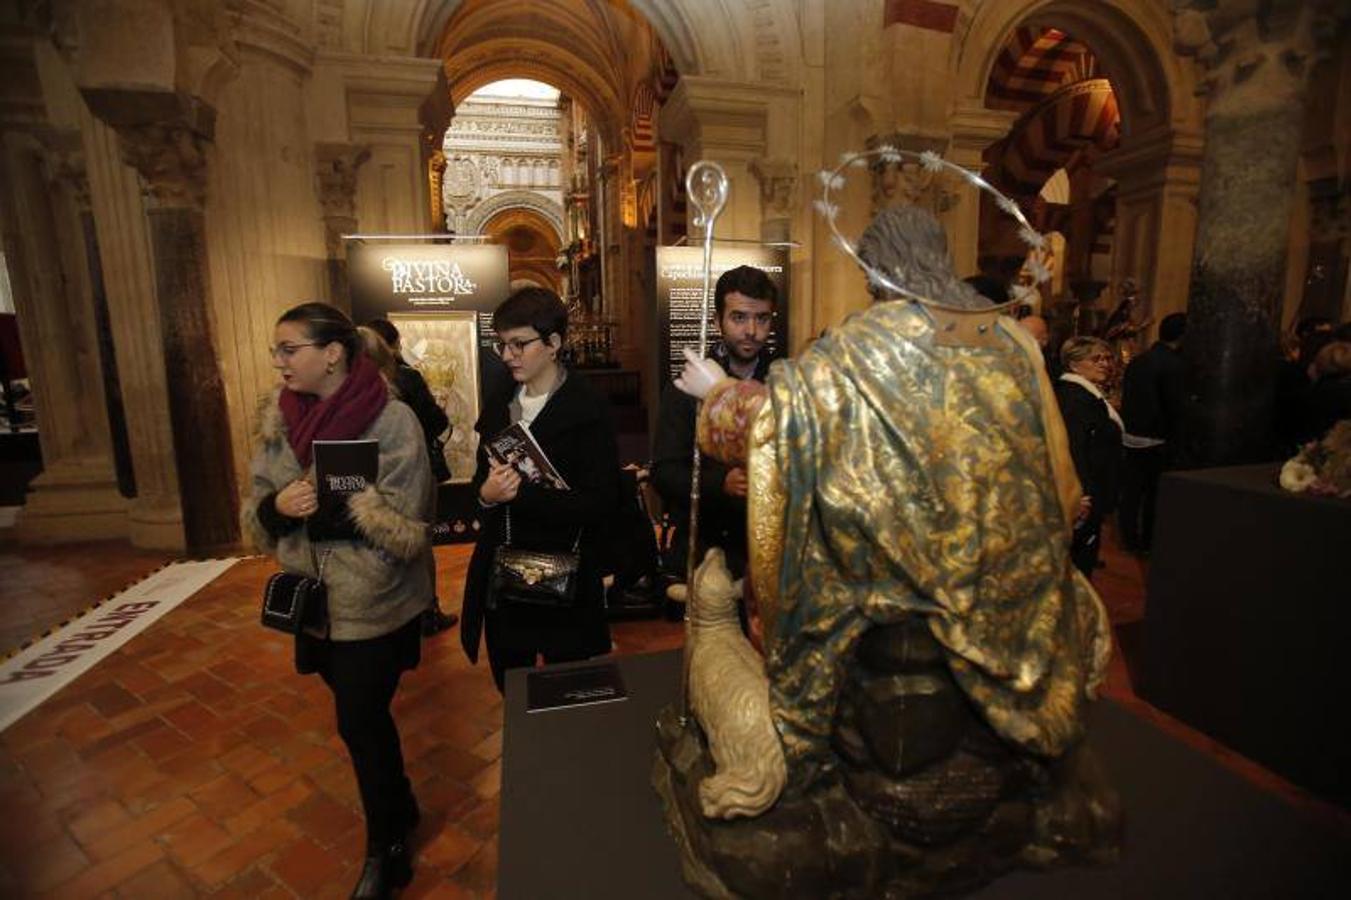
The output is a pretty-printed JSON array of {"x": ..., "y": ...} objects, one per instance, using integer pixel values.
[
  {"x": 164, "y": 136},
  {"x": 778, "y": 186},
  {"x": 1255, "y": 56},
  {"x": 171, "y": 160},
  {"x": 907, "y": 183},
  {"x": 336, "y": 166}
]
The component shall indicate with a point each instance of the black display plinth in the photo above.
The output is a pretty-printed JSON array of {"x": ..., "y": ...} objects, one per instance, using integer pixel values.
[
  {"x": 580, "y": 820},
  {"x": 1246, "y": 620}
]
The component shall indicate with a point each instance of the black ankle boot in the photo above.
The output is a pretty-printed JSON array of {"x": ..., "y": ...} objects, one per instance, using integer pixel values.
[{"x": 383, "y": 873}]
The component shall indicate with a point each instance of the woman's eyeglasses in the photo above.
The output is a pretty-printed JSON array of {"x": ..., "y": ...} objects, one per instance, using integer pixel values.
[
  {"x": 517, "y": 346},
  {"x": 286, "y": 351}
]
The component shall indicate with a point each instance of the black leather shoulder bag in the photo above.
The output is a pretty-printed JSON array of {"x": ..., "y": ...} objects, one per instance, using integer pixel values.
[
  {"x": 295, "y": 603},
  {"x": 533, "y": 577}
]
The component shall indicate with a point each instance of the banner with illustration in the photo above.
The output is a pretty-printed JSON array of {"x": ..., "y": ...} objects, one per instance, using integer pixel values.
[{"x": 441, "y": 297}]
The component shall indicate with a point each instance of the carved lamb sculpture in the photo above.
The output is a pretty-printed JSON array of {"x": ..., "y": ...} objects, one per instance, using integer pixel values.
[{"x": 729, "y": 693}]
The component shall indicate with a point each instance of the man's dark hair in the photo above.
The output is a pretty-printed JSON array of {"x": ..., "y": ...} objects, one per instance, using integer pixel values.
[
  {"x": 1173, "y": 327},
  {"x": 385, "y": 328},
  {"x": 747, "y": 281},
  {"x": 325, "y": 324},
  {"x": 534, "y": 307}
]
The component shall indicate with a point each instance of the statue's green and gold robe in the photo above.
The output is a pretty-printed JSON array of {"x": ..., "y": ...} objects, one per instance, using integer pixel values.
[{"x": 895, "y": 472}]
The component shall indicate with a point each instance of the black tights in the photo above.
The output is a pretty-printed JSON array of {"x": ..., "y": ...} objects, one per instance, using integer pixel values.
[{"x": 362, "y": 698}]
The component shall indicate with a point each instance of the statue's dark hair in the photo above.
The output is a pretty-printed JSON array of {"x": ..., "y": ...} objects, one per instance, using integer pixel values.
[{"x": 908, "y": 244}]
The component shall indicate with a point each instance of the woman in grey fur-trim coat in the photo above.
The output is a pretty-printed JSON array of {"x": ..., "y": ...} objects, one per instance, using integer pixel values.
[{"x": 377, "y": 586}]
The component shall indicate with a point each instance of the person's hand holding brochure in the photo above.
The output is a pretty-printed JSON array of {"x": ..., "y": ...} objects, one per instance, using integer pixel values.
[{"x": 517, "y": 447}]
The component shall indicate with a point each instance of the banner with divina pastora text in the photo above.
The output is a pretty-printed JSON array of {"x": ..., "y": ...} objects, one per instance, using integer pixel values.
[{"x": 441, "y": 297}]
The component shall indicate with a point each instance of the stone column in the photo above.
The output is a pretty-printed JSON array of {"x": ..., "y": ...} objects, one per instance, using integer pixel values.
[
  {"x": 974, "y": 129},
  {"x": 611, "y": 235},
  {"x": 76, "y": 495},
  {"x": 778, "y": 197},
  {"x": 68, "y": 167},
  {"x": 336, "y": 168},
  {"x": 155, "y": 516},
  {"x": 1256, "y": 86},
  {"x": 165, "y": 137},
  {"x": 1158, "y": 176},
  {"x": 727, "y": 122}
]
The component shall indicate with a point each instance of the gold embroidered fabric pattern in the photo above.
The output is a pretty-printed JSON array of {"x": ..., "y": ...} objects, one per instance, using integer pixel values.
[
  {"x": 723, "y": 426},
  {"x": 891, "y": 476},
  {"x": 765, "y": 505}
]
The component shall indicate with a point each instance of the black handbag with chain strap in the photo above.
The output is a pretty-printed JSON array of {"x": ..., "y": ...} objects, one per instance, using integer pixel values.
[
  {"x": 295, "y": 603},
  {"x": 534, "y": 577}
]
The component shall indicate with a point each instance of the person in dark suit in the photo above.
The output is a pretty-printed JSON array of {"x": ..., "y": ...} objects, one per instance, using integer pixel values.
[
  {"x": 1152, "y": 394},
  {"x": 744, "y": 300},
  {"x": 571, "y": 422},
  {"x": 1094, "y": 430}
]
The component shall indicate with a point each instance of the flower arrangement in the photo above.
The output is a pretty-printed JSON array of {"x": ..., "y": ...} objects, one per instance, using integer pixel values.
[{"x": 1322, "y": 467}]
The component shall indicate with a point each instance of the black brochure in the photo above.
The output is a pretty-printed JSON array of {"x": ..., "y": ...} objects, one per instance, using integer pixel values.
[{"x": 341, "y": 468}]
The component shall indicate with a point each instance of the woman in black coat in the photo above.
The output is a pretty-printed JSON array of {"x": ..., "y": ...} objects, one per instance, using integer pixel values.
[
  {"x": 571, "y": 422},
  {"x": 1095, "y": 431}
]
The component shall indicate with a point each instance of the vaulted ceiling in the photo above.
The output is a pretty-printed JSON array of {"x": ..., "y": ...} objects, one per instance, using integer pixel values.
[{"x": 596, "y": 52}]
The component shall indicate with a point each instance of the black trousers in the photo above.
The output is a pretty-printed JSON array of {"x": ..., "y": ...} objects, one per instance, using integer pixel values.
[
  {"x": 1140, "y": 473},
  {"x": 363, "y": 676},
  {"x": 512, "y": 647}
]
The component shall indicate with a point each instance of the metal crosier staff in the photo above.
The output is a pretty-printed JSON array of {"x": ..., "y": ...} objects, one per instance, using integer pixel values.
[{"x": 706, "y": 188}]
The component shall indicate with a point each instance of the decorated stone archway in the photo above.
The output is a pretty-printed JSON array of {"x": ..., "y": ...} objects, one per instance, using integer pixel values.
[
  {"x": 533, "y": 241},
  {"x": 1156, "y": 162},
  {"x": 542, "y": 209}
]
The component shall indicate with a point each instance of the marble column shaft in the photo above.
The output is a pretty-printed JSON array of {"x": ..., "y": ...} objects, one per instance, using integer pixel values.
[
  {"x": 1257, "y": 90},
  {"x": 76, "y": 494},
  {"x": 168, "y": 151},
  {"x": 155, "y": 516}
]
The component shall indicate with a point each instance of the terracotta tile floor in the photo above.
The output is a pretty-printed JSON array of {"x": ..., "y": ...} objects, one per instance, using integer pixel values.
[
  {"x": 44, "y": 586},
  {"x": 194, "y": 761}
]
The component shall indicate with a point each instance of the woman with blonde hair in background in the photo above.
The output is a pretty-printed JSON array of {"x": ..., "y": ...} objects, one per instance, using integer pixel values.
[{"x": 1095, "y": 431}]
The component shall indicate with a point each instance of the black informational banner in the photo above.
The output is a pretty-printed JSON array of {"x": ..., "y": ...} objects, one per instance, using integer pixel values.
[
  {"x": 434, "y": 293},
  {"x": 394, "y": 277},
  {"x": 680, "y": 285}
]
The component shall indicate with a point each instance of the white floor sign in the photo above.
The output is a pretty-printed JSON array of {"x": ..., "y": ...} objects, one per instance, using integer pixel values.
[{"x": 30, "y": 677}]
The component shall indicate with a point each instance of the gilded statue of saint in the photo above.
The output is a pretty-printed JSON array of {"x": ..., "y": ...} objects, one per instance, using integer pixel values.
[{"x": 929, "y": 650}]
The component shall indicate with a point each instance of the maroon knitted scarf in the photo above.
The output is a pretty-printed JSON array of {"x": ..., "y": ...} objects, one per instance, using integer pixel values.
[{"x": 344, "y": 416}]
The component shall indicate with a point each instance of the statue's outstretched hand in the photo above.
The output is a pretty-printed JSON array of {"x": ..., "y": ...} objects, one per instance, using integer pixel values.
[{"x": 699, "y": 375}]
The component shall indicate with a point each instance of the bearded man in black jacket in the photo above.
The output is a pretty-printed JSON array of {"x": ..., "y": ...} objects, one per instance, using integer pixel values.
[{"x": 744, "y": 300}]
